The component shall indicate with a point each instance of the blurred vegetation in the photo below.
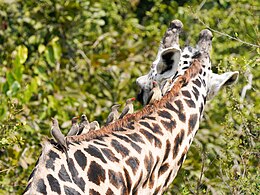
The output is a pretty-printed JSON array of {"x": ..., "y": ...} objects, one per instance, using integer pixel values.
[{"x": 64, "y": 58}]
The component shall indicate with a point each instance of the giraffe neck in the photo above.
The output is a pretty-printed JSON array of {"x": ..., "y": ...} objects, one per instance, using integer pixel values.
[
  {"x": 176, "y": 123},
  {"x": 142, "y": 155}
]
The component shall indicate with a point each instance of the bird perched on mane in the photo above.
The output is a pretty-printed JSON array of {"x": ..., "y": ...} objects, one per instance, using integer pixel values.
[
  {"x": 155, "y": 93},
  {"x": 57, "y": 134},
  {"x": 113, "y": 115},
  {"x": 74, "y": 127},
  {"x": 166, "y": 86},
  {"x": 94, "y": 125},
  {"x": 128, "y": 109},
  {"x": 84, "y": 124}
]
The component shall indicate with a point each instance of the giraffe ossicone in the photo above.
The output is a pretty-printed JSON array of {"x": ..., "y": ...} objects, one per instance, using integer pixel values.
[{"x": 141, "y": 153}]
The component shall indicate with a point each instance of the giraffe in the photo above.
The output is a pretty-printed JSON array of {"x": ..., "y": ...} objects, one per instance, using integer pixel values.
[{"x": 141, "y": 153}]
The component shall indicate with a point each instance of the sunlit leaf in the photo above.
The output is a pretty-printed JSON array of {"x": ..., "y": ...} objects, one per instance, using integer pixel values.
[
  {"x": 49, "y": 55},
  {"x": 41, "y": 48},
  {"x": 56, "y": 51},
  {"x": 22, "y": 53},
  {"x": 10, "y": 78}
]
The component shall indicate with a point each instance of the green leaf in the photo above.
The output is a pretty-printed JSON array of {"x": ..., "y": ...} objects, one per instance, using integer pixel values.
[
  {"x": 5, "y": 87},
  {"x": 56, "y": 51},
  {"x": 41, "y": 48},
  {"x": 18, "y": 71},
  {"x": 22, "y": 53},
  {"x": 10, "y": 78},
  {"x": 3, "y": 111},
  {"x": 49, "y": 55},
  {"x": 15, "y": 87},
  {"x": 30, "y": 89}
]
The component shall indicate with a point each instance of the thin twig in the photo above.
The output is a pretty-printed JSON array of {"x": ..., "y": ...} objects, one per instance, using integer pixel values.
[
  {"x": 201, "y": 5},
  {"x": 82, "y": 53},
  {"x": 224, "y": 180},
  {"x": 7, "y": 169},
  {"x": 201, "y": 173},
  {"x": 100, "y": 38},
  {"x": 222, "y": 33},
  {"x": 244, "y": 166}
]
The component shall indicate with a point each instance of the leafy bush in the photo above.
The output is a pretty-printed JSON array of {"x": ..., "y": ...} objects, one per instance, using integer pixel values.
[{"x": 64, "y": 58}]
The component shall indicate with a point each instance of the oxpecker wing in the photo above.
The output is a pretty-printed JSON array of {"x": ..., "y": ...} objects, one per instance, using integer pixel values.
[
  {"x": 166, "y": 86},
  {"x": 113, "y": 115},
  {"x": 84, "y": 124},
  {"x": 155, "y": 93},
  {"x": 94, "y": 125},
  {"x": 74, "y": 128},
  {"x": 129, "y": 108},
  {"x": 56, "y": 133}
]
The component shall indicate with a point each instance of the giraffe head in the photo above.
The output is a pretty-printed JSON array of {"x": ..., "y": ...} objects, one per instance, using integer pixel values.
[
  {"x": 165, "y": 64},
  {"x": 172, "y": 62},
  {"x": 213, "y": 82}
]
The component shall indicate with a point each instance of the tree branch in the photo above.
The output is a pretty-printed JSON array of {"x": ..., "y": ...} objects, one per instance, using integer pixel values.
[{"x": 218, "y": 32}]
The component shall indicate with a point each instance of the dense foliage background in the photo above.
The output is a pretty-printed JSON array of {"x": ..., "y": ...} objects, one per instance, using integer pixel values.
[{"x": 64, "y": 58}]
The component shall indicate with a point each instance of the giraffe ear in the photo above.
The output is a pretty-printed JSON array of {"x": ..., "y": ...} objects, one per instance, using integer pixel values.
[
  {"x": 168, "y": 60},
  {"x": 216, "y": 82}
]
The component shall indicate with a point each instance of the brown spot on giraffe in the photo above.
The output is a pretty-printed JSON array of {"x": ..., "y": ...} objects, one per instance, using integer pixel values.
[
  {"x": 128, "y": 180},
  {"x": 197, "y": 82},
  {"x": 79, "y": 181},
  {"x": 152, "y": 176},
  {"x": 99, "y": 143},
  {"x": 190, "y": 103},
  {"x": 119, "y": 148},
  {"x": 96, "y": 173},
  {"x": 186, "y": 93},
  {"x": 192, "y": 122},
  {"x": 169, "y": 125},
  {"x": 167, "y": 179},
  {"x": 69, "y": 191},
  {"x": 137, "y": 183},
  {"x": 116, "y": 178},
  {"x": 80, "y": 159},
  {"x": 163, "y": 169},
  {"x": 133, "y": 162},
  {"x": 109, "y": 154},
  {"x": 93, "y": 192},
  {"x": 41, "y": 187},
  {"x": 63, "y": 174},
  {"x": 164, "y": 114},
  {"x": 126, "y": 139},
  {"x": 109, "y": 192},
  {"x": 51, "y": 161},
  {"x": 167, "y": 150},
  {"x": 156, "y": 129},
  {"x": 151, "y": 138},
  {"x": 182, "y": 156},
  {"x": 180, "y": 111},
  {"x": 148, "y": 162},
  {"x": 178, "y": 141},
  {"x": 135, "y": 137},
  {"x": 195, "y": 92},
  {"x": 54, "y": 184},
  {"x": 94, "y": 151},
  {"x": 201, "y": 108},
  {"x": 149, "y": 118},
  {"x": 157, "y": 190}
]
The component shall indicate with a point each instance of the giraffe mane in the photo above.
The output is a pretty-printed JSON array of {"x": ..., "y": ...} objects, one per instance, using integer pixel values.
[{"x": 181, "y": 81}]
